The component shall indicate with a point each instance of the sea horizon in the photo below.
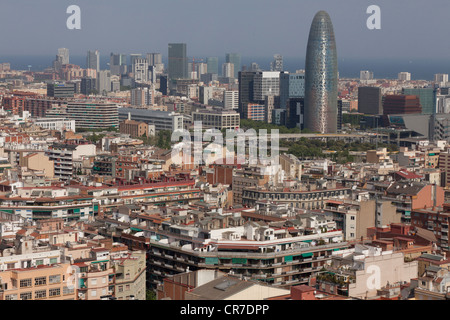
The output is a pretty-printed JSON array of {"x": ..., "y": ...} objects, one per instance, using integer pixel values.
[{"x": 420, "y": 69}]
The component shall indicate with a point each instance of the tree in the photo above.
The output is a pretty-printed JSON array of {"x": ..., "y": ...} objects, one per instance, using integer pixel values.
[{"x": 150, "y": 295}]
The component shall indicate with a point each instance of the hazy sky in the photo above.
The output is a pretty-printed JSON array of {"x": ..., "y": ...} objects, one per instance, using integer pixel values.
[{"x": 409, "y": 28}]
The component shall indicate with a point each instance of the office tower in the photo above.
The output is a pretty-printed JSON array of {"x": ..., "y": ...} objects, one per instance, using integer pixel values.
[
  {"x": 295, "y": 113},
  {"x": 140, "y": 69},
  {"x": 404, "y": 76},
  {"x": 228, "y": 70},
  {"x": 292, "y": 85},
  {"x": 231, "y": 99},
  {"x": 60, "y": 90},
  {"x": 277, "y": 63},
  {"x": 93, "y": 60},
  {"x": 365, "y": 75},
  {"x": 235, "y": 59},
  {"x": 163, "y": 84},
  {"x": 64, "y": 54},
  {"x": 370, "y": 100},
  {"x": 321, "y": 76},
  {"x": 133, "y": 57},
  {"x": 103, "y": 82},
  {"x": 246, "y": 79},
  {"x": 118, "y": 64},
  {"x": 266, "y": 83},
  {"x": 213, "y": 65},
  {"x": 401, "y": 104},
  {"x": 88, "y": 85},
  {"x": 205, "y": 94},
  {"x": 152, "y": 74},
  {"x": 339, "y": 115},
  {"x": 155, "y": 59},
  {"x": 57, "y": 63},
  {"x": 427, "y": 97},
  {"x": 178, "y": 64}
]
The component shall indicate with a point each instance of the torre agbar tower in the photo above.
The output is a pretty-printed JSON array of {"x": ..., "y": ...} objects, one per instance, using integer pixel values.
[{"x": 321, "y": 77}]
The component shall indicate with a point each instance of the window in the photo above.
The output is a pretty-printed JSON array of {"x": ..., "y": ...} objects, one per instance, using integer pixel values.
[
  {"x": 40, "y": 294},
  {"x": 39, "y": 262},
  {"x": 10, "y": 265},
  {"x": 40, "y": 281},
  {"x": 120, "y": 288},
  {"x": 24, "y": 283},
  {"x": 11, "y": 297},
  {"x": 53, "y": 260},
  {"x": 26, "y": 296},
  {"x": 54, "y": 279},
  {"x": 93, "y": 293},
  {"x": 127, "y": 287},
  {"x": 54, "y": 292},
  {"x": 94, "y": 281},
  {"x": 67, "y": 290}
]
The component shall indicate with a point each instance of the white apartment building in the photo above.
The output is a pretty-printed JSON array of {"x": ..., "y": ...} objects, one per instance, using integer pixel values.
[
  {"x": 58, "y": 124},
  {"x": 231, "y": 99}
]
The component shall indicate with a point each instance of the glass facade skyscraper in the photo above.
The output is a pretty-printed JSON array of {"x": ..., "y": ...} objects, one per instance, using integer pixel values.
[
  {"x": 213, "y": 65},
  {"x": 321, "y": 76},
  {"x": 178, "y": 63},
  {"x": 235, "y": 59}
]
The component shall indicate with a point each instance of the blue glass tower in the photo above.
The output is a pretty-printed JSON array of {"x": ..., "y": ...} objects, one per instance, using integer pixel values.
[{"x": 321, "y": 76}]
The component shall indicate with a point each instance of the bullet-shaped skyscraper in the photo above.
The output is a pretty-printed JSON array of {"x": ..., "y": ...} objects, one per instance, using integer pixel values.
[{"x": 321, "y": 77}]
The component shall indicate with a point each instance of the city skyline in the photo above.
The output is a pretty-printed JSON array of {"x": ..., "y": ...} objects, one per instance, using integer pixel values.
[{"x": 253, "y": 32}]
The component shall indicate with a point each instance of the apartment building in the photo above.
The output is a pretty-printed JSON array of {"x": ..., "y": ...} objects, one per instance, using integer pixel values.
[
  {"x": 45, "y": 282},
  {"x": 361, "y": 271},
  {"x": 354, "y": 217},
  {"x": 130, "y": 272}
]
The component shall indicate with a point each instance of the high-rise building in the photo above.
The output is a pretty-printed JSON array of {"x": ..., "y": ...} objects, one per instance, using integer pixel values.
[
  {"x": 266, "y": 83},
  {"x": 205, "y": 94},
  {"x": 140, "y": 69},
  {"x": 142, "y": 97},
  {"x": 365, "y": 75},
  {"x": 118, "y": 63},
  {"x": 103, "y": 81},
  {"x": 295, "y": 113},
  {"x": 93, "y": 60},
  {"x": 228, "y": 70},
  {"x": 213, "y": 65},
  {"x": 370, "y": 100},
  {"x": 231, "y": 99},
  {"x": 404, "y": 76},
  {"x": 178, "y": 63},
  {"x": 427, "y": 98},
  {"x": 155, "y": 60},
  {"x": 441, "y": 79},
  {"x": 88, "y": 85},
  {"x": 235, "y": 59},
  {"x": 292, "y": 85},
  {"x": 64, "y": 54},
  {"x": 246, "y": 79},
  {"x": 277, "y": 63},
  {"x": 321, "y": 76}
]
